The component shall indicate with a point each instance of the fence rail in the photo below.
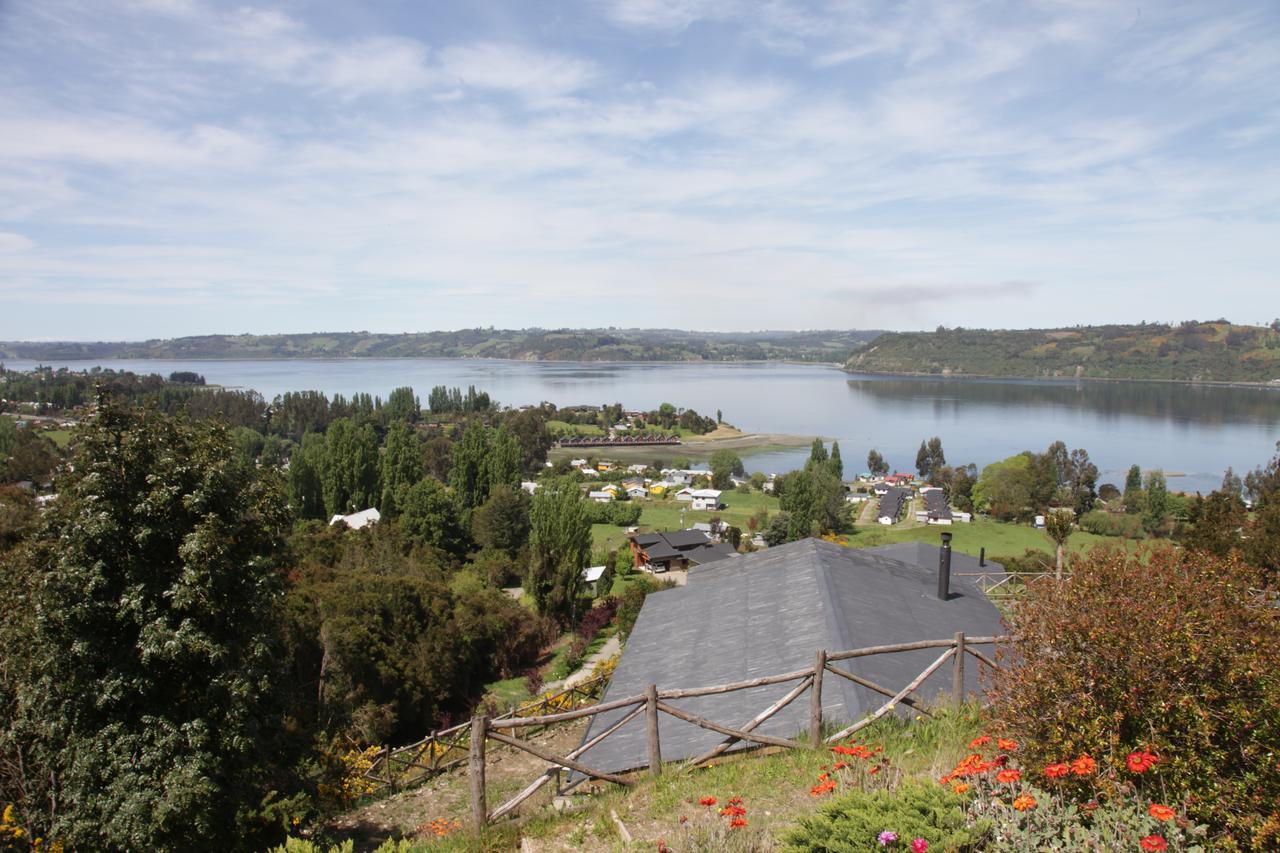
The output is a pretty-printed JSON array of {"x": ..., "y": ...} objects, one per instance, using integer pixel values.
[
  {"x": 400, "y": 767},
  {"x": 1003, "y": 584},
  {"x": 652, "y": 702}
]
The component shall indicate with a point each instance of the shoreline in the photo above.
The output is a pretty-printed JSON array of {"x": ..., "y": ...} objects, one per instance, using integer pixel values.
[
  {"x": 748, "y": 442},
  {"x": 1270, "y": 385}
]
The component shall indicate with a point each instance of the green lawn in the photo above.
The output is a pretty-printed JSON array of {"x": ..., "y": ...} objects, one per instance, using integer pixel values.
[
  {"x": 665, "y": 515},
  {"x": 999, "y": 538},
  {"x": 60, "y": 437},
  {"x": 562, "y": 428}
]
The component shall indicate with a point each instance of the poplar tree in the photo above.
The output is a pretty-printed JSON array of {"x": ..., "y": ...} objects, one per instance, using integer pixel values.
[{"x": 559, "y": 548}]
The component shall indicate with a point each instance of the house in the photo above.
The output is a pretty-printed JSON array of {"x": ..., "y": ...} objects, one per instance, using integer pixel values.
[
  {"x": 891, "y": 505},
  {"x": 676, "y": 549},
  {"x": 856, "y": 498},
  {"x": 358, "y": 520},
  {"x": 660, "y": 488},
  {"x": 577, "y": 463},
  {"x": 601, "y": 497},
  {"x": 767, "y": 613},
  {"x": 685, "y": 494},
  {"x": 936, "y": 509},
  {"x": 881, "y": 489},
  {"x": 706, "y": 499},
  {"x": 638, "y": 468},
  {"x": 529, "y": 486},
  {"x": 604, "y": 466},
  {"x": 591, "y": 576},
  {"x": 637, "y": 493},
  {"x": 677, "y": 476},
  {"x": 612, "y": 488},
  {"x": 900, "y": 479}
]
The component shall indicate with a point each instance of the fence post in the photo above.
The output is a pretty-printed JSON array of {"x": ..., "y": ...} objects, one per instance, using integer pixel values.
[
  {"x": 475, "y": 771},
  {"x": 386, "y": 763},
  {"x": 651, "y": 729},
  {"x": 815, "y": 699},
  {"x": 957, "y": 672}
]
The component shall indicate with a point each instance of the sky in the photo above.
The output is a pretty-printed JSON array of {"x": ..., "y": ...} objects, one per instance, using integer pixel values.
[{"x": 178, "y": 167}]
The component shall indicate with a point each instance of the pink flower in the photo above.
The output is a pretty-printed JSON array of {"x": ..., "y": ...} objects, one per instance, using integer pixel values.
[{"x": 919, "y": 845}]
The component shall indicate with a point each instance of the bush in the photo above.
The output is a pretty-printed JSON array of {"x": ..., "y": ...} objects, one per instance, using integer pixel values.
[
  {"x": 595, "y": 619},
  {"x": 1104, "y": 523},
  {"x": 855, "y": 821},
  {"x": 1032, "y": 561},
  {"x": 1164, "y": 651},
  {"x": 633, "y": 600}
]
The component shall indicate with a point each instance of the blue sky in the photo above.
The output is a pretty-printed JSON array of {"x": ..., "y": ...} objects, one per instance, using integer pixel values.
[{"x": 173, "y": 167}]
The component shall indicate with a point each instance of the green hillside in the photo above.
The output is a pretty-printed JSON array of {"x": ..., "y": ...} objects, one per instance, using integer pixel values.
[
  {"x": 1191, "y": 351},
  {"x": 525, "y": 344}
]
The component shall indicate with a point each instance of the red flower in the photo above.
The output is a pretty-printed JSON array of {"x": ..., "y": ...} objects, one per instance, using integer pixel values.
[
  {"x": 733, "y": 811},
  {"x": 738, "y": 823},
  {"x": 1007, "y": 745},
  {"x": 1056, "y": 771},
  {"x": 1160, "y": 812},
  {"x": 707, "y": 801},
  {"x": 1141, "y": 761},
  {"x": 1084, "y": 766},
  {"x": 1006, "y": 777},
  {"x": 735, "y": 801},
  {"x": 1154, "y": 842},
  {"x": 979, "y": 742},
  {"x": 1024, "y": 802},
  {"x": 822, "y": 788},
  {"x": 840, "y": 765}
]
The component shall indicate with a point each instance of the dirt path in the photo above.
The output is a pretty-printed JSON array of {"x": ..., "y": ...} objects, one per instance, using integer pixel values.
[
  {"x": 610, "y": 648},
  {"x": 447, "y": 796}
]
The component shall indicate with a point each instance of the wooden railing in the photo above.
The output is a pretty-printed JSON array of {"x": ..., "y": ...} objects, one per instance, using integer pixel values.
[
  {"x": 653, "y": 702},
  {"x": 404, "y": 766}
]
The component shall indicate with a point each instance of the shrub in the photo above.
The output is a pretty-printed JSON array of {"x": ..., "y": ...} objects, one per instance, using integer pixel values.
[
  {"x": 597, "y": 618},
  {"x": 1165, "y": 651},
  {"x": 1103, "y": 523},
  {"x": 915, "y": 810},
  {"x": 1032, "y": 561}
]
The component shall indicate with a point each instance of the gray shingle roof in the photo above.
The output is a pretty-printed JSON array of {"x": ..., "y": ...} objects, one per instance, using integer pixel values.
[{"x": 768, "y": 613}]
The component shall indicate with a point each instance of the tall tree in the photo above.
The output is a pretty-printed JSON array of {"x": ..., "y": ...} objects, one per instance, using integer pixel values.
[
  {"x": 1133, "y": 489},
  {"x": 470, "y": 474},
  {"x": 834, "y": 463},
  {"x": 402, "y": 405},
  {"x": 153, "y": 655},
  {"x": 1082, "y": 481},
  {"x": 505, "y": 464},
  {"x": 876, "y": 463},
  {"x": 559, "y": 548},
  {"x": 430, "y": 515},
  {"x": 351, "y": 467},
  {"x": 1058, "y": 524},
  {"x": 306, "y": 477},
  {"x": 502, "y": 522},
  {"x": 724, "y": 465},
  {"x": 817, "y": 452},
  {"x": 530, "y": 428},
  {"x": 1157, "y": 502},
  {"x": 401, "y": 464}
]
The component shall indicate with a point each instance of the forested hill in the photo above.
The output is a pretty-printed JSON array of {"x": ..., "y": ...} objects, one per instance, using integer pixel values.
[
  {"x": 526, "y": 344},
  {"x": 1190, "y": 351}
]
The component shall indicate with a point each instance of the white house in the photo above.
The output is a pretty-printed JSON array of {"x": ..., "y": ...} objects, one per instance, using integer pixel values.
[
  {"x": 685, "y": 494},
  {"x": 529, "y": 486},
  {"x": 591, "y": 576},
  {"x": 637, "y": 493},
  {"x": 705, "y": 498},
  {"x": 358, "y": 520},
  {"x": 600, "y": 497},
  {"x": 578, "y": 463}
]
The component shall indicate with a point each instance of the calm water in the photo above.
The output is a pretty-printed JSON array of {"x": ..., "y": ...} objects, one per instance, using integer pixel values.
[{"x": 1198, "y": 431}]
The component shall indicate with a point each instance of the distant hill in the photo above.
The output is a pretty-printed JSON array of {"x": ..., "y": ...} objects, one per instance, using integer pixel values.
[
  {"x": 1190, "y": 351},
  {"x": 526, "y": 344}
]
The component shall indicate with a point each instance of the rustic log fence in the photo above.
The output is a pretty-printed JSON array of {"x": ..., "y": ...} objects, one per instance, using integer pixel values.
[
  {"x": 652, "y": 702},
  {"x": 394, "y": 769}
]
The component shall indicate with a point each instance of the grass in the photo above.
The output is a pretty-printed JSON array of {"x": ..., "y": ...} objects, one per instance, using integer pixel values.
[
  {"x": 774, "y": 787},
  {"x": 665, "y": 515},
  {"x": 564, "y": 428},
  {"x": 999, "y": 538},
  {"x": 60, "y": 437}
]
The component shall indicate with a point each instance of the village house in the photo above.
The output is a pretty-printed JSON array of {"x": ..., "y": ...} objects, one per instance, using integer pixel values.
[
  {"x": 358, "y": 520},
  {"x": 600, "y": 497},
  {"x": 891, "y": 505},
  {"x": 676, "y": 549}
]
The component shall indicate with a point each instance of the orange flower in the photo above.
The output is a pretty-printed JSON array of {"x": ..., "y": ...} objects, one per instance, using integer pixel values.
[
  {"x": 1006, "y": 777},
  {"x": 1160, "y": 812},
  {"x": 1026, "y": 801},
  {"x": 707, "y": 801},
  {"x": 1154, "y": 842},
  {"x": 874, "y": 770},
  {"x": 738, "y": 823},
  {"x": 1141, "y": 761},
  {"x": 822, "y": 788},
  {"x": 735, "y": 801},
  {"x": 979, "y": 741},
  {"x": 1084, "y": 766},
  {"x": 960, "y": 787},
  {"x": 840, "y": 765},
  {"x": 733, "y": 811},
  {"x": 1056, "y": 771},
  {"x": 1007, "y": 745}
]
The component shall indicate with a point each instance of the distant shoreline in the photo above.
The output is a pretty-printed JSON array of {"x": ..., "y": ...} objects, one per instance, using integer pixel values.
[{"x": 1219, "y": 383}]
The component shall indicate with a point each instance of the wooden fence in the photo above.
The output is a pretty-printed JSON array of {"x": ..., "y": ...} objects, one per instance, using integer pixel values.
[
  {"x": 652, "y": 702},
  {"x": 1004, "y": 584},
  {"x": 404, "y": 766}
]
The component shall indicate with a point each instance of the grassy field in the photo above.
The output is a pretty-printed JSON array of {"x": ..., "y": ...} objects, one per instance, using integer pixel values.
[
  {"x": 666, "y": 515},
  {"x": 998, "y": 538},
  {"x": 59, "y": 437}
]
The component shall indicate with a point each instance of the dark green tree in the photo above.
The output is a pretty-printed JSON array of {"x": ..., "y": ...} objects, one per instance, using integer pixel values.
[
  {"x": 401, "y": 464},
  {"x": 559, "y": 548},
  {"x": 1157, "y": 503},
  {"x": 506, "y": 459},
  {"x": 471, "y": 471},
  {"x": 1133, "y": 500},
  {"x": 402, "y": 405},
  {"x": 530, "y": 428},
  {"x": 834, "y": 463},
  {"x": 306, "y": 477},
  {"x": 817, "y": 453},
  {"x": 502, "y": 522},
  {"x": 724, "y": 465},
  {"x": 350, "y": 474},
  {"x": 429, "y": 514},
  {"x": 152, "y": 656},
  {"x": 876, "y": 463}
]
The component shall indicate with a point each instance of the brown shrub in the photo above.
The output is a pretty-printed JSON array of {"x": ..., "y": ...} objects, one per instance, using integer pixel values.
[{"x": 1167, "y": 651}]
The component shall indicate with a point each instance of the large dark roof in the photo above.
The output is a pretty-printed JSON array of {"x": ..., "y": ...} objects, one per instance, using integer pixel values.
[
  {"x": 768, "y": 613},
  {"x": 685, "y": 538},
  {"x": 693, "y": 544},
  {"x": 891, "y": 502}
]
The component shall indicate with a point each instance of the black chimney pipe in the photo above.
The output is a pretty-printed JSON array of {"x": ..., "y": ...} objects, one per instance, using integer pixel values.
[
  {"x": 944, "y": 568},
  {"x": 982, "y": 556}
]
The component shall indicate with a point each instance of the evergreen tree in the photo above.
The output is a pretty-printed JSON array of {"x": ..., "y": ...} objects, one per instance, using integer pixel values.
[
  {"x": 153, "y": 658},
  {"x": 401, "y": 464},
  {"x": 1133, "y": 489},
  {"x": 834, "y": 463},
  {"x": 471, "y": 470},
  {"x": 817, "y": 452},
  {"x": 1157, "y": 502},
  {"x": 350, "y": 474},
  {"x": 506, "y": 459},
  {"x": 402, "y": 405},
  {"x": 876, "y": 463},
  {"x": 306, "y": 477},
  {"x": 430, "y": 515},
  {"x": 502, "y": 522},
  {"x": 559, "y": 546}
]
